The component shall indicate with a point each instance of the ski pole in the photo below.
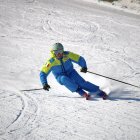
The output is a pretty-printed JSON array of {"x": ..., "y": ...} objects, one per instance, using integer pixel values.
[
  {"x": 114, "y": 79},
  {"x": 32, "y": 89}
]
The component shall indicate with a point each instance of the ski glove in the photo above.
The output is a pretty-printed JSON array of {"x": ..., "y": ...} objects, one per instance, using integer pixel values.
[
  {"x": 84, "y": 69},
  {"x": 46, "y": 87}
]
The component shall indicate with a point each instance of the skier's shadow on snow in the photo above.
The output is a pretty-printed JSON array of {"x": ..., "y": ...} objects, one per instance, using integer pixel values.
[
  {"x": 119, "y": 94},
  {"x": 115, "y": 95}
]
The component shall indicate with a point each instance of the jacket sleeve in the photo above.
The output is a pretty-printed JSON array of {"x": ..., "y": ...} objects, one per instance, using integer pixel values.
[
  {"x": 45, "y": 70},
  {"x": 77, "y": 59}
]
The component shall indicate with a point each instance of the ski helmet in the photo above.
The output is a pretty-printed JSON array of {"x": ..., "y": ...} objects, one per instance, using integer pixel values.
[
  {"x": 57, "y": 50},
  {"x": 57, "y": 47}
]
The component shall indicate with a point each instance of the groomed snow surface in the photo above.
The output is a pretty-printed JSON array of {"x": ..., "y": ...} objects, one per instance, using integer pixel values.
[
  {"x": 132, "y": 6},
  {"x": 110, "y": 42}
]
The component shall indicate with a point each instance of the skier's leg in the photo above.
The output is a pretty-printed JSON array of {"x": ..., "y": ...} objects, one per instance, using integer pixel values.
[
  {"x": 67, "y": 82},
  {"x": 70, "y": 84},
  {"x": 103, "y": 95},
  {"x": 86, "y": 85},
  {"x": 83, "y": 93}
]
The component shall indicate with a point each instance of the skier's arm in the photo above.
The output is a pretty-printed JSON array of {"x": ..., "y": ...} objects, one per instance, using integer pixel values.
[
  {"x": 45, "y": 70},
  {"x": 77, "y": 59}
]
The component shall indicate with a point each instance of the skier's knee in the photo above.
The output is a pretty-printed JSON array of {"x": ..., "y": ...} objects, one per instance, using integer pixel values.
[{"x": 62, "y": 79}]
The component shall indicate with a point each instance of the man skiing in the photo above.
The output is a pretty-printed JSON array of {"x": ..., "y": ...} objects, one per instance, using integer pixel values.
[{"x": 60, "y": 63}]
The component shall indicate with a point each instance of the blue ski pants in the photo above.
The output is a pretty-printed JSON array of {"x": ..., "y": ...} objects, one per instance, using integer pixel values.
[{"x": 73, "y": 81}]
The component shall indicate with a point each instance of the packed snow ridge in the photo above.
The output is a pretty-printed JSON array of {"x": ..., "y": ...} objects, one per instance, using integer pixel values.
[{"x": 125, "y": 5}]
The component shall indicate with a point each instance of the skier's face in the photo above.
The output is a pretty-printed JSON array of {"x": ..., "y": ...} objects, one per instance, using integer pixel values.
[{"x": 58, "y": 54}]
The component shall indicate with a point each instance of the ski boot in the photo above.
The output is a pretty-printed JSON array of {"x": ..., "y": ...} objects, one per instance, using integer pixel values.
[
  {"x": 103, "y": 95},
  {"x": 87, "y": 96}
]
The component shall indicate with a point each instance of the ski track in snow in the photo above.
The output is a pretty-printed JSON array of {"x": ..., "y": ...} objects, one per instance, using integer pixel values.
[
  {"x": 27, "y": 27},
  {"x": 26, "y": 115},
  {"x": 43, "y": 123}
]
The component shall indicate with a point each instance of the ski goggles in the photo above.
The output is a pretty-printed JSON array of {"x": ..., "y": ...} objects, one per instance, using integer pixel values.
[{"x": 58, "y": 51}]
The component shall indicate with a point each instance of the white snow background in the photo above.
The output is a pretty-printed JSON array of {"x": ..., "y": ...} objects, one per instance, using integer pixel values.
[{"x": 108, "y": 38}]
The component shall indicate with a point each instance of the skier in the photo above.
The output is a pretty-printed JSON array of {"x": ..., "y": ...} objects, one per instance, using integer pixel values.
[{"x": 60, "y": 63}]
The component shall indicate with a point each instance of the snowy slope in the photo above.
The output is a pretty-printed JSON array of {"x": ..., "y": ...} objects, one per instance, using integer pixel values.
[
  {"x": 131, "y": 6},
  {"x": 110, "y": 42}
]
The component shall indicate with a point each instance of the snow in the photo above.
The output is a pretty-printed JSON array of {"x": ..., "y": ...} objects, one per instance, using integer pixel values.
[
  {"x": 131, "y": 6},
  {"x": 108, "y": 38}
]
